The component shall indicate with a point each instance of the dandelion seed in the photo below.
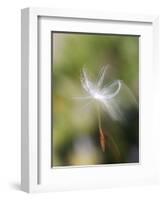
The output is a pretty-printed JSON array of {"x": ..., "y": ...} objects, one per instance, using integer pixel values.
[{"x": 112, "y": 98}]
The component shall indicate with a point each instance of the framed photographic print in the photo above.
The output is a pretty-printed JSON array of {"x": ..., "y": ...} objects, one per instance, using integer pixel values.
[{"x": 88, "y": 100}]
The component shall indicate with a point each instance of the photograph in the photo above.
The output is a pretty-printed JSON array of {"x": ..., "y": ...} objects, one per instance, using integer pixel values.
[{"x": 94, "y": 99}]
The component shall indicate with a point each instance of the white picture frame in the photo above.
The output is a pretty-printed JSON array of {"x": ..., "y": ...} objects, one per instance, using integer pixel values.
[{"x": 36, "y": 171}]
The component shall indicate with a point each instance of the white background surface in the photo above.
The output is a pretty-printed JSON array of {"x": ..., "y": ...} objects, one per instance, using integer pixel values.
[{"x": 10, "y": 98}]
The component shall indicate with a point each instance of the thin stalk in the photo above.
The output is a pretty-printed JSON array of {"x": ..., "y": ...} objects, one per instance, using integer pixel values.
[
  {"x": 99, "y": 118},
  {"x": 102, "y": 135}
]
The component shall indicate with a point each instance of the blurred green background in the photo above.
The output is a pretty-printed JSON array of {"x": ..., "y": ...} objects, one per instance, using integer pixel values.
[{"x": 75, "y": 134}]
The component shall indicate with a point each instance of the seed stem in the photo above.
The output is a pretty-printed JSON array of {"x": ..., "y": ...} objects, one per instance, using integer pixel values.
[
  {"x": 102, "y": 135},
  {"x": 99, "y": 118}
]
